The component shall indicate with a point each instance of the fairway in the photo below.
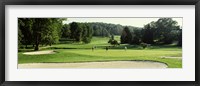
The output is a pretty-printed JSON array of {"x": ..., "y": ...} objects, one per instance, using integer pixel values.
[{"x": 76, "y": 53}]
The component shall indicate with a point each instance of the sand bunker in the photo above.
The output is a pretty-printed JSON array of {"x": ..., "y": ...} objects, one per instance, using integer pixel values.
[
  {"x": 163, "y": 57},
  {"x": 110, "y": 64},
  {"x": 40, "y": 52}
]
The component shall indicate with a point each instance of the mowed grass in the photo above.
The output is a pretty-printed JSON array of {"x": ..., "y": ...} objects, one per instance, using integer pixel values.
[{"x": 83, "y": 53}]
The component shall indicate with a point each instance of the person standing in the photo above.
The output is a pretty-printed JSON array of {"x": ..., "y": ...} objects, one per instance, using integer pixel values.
[
  {"x": 125, "y": 48},
  {"x": 93, "y": 48},
  {"x": 106, "y": 48}
]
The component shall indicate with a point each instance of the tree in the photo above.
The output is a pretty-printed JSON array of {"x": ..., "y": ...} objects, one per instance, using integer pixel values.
[
  {"x": 73, "y": 28},
  {"x": 66, "y": 31},
  {"x": 113, "y": 42},
  {"x": 144, "y": 45},
  {"x": 164, "y": 28},
  {"x": 46, "y": 31},
  {"x": 106, "y": 29},
  {"x": 112, "y": 37},
  {"x": 126, "y": 36},
  {"x": 180, "y": 38},
  {"x": 39, "y": 25},
  {"x": 136, "y": 36},
  {"x": 20, "y": 35},
  {"x": 25, "y": 31},
  {"x": 76, "y": 31},
  {"x": 81, "y": 32},
  {"x": 162, "y": 31},
  {"x": 148, "y": 34},
  {"x": 87, "y": 33}
]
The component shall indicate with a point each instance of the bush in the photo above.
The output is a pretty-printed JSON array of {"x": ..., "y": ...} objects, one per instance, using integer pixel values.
[
  {"x": 113, "y": 42},
  {"x": 144, "y": 45},
  {"x": 86, "y": 40},
  {"x": 109, "y": 41}
]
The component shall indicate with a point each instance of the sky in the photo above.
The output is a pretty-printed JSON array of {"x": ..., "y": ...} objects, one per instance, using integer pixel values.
[{"x": 137, "y": 22}]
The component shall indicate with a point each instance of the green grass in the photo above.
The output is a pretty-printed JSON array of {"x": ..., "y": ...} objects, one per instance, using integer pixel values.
[{"x": 76, "y": 52}]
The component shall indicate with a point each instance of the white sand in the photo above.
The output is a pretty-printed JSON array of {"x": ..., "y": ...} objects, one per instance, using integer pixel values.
[
  {"x": 163, "y": 57},
  {"x": 111, "y": 64},
  {"x": 40, "y": 52}
]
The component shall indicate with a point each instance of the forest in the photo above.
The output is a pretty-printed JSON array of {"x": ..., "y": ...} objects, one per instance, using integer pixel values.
[{"x": 48, "y": 31}]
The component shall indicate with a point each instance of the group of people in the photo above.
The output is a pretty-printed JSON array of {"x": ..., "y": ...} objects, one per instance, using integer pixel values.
[{"x": 94, "y": 47}]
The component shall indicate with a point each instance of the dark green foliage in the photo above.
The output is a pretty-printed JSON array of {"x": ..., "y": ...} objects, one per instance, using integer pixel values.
[
  {"x": 99, "y": 29},
  {"x": 144, "y": 45},
  {"x": 136, "y": 36},
  {"x": 135, "y": 40},
  {"x": 164, "y": 30},
  {"x": 25, "y": 31},
  {"x": 88, "y": 31},
  {"x": 112, "y": 37},
  {"x": 126, "y": 36},
  {"x": 46, "y": 31},
  {"x": 84, "y": 34},
  {"x": 148, "y": 34},
  {"x": 73, "y": 29},
  {"x": 81, "y": 32},
  {"x": 66, "y": 31},
  {"x": 36, "y": 31},
  {"x": 113, "y": 42},
  {"x": 110, "y": 40},
  {"x": 180, "y": 38},
  {"x": 20, "y": 35},
  {"x": 105, "y": 29}
]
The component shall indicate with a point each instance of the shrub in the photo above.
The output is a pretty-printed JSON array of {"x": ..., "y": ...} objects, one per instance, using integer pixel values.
[
  {"x": 144, "y": 45},
  {"x": 113, "y": 42}
]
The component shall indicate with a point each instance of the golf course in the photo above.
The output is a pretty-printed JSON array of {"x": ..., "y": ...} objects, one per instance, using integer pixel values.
[
  {"x": 77, "y": 43},
  {"x": 76, "y": 53}
]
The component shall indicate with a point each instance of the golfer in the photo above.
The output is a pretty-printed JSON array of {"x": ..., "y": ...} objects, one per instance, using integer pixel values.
[
  {"x": 125, "y": 48},
  {"x": 106, "y": 48},
  {"x": 93, "y": 48}
]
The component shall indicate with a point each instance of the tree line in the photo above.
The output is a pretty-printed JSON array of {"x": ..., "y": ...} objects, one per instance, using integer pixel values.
[
  {"x": 98, "y": 29},
  {"x": 162, "y": 31},
  {"x": 48, "y": 31},
  {"x": 78, "y": 32},
  {"x": 107, "y": 29}
]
